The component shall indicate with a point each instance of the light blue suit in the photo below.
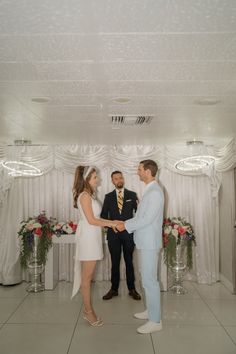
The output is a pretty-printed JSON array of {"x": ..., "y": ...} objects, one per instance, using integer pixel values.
[{"x": 147, "y": 228}]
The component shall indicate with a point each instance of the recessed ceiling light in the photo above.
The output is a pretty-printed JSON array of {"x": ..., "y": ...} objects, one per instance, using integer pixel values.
[
  {"x": 121, "y": 100},
  {"x": 207, "y": 101},
  {"x": 194, "y": 142},
  {"x": 21, "y": 142},
  {"x": 40, "y": 99}
]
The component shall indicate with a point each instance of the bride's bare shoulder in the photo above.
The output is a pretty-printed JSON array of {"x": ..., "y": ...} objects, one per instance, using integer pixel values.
[{"x": 85, "y": 196}]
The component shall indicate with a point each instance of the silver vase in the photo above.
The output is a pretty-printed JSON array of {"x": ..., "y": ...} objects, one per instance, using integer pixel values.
[
  {"x": 178, "y": 269},
  {"x": 35, "y": 269}
]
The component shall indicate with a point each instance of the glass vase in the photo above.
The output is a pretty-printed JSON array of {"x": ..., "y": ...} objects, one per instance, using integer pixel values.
[
  {"x": 178, "y": 269},
  {"x": 35, "y": 269}
]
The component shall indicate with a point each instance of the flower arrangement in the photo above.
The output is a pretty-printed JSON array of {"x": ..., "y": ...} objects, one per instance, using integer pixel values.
[
  {"x": 176, "y": 230},
  {"x": 61, "y": 228},
  {"x": 41, "y": 227}
]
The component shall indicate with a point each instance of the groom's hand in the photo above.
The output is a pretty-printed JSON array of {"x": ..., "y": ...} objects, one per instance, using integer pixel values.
[{"x": 120, "y": 226}]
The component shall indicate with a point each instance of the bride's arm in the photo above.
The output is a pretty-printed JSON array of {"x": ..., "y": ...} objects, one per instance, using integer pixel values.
[{"x": 86, "y": 204}]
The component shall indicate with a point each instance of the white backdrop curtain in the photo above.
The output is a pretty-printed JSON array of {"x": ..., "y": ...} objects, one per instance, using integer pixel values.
[
  {"x": 227, "y": 221},
  {"x": 194, "y": 196},
  {"x": 52, "y": 192}
]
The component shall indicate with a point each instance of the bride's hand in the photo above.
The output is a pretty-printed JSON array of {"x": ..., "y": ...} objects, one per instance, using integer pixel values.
[
  {"x": 120, "y": 226},
  {"x": 113, "y": 226},
  {"x": 114, "y": 229}
]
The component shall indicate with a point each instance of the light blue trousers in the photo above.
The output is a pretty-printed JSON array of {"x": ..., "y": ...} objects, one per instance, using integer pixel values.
[{"x": 148, "y": 262}]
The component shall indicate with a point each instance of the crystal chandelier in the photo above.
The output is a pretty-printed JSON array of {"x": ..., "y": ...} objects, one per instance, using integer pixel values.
[
  {"x": 197, "y": 159},
  {"x": 16, "y": 165}
]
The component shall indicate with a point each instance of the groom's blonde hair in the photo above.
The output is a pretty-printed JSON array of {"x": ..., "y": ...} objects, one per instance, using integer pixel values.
[{"x": 150, "y": 165}]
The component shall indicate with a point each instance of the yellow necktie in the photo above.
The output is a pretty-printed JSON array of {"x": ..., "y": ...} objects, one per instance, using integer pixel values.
[{"x": 120, "y": 201}]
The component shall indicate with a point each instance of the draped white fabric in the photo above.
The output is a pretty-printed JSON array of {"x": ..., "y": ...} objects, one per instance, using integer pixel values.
[
  {"x": 11, "y": 213},
  {"x": 227, "y": 221},
  {"x": 5, "y": 184},
  {"x": 65, "y": 157},
  {"x": 193, "y": 196}
]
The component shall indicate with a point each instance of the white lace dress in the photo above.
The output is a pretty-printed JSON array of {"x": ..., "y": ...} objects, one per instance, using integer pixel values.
[{"x": 88, "y": 240}]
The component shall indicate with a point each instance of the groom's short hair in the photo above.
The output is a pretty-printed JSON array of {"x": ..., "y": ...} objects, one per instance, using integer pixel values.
[{"x": 150, "y": 165}]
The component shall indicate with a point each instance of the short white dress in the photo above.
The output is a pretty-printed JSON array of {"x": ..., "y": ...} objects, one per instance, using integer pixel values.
[{"x": 88, "y": 239}]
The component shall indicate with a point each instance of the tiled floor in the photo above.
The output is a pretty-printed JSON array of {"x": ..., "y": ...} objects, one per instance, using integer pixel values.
[{"x": 200, "y": 322}]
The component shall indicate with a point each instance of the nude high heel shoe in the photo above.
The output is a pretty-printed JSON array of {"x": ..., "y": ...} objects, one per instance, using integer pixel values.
[{"x": 97, "y": 323}]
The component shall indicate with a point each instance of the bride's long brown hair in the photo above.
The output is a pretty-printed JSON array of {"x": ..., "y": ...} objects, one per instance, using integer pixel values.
[{"x": 81, "y": 184}]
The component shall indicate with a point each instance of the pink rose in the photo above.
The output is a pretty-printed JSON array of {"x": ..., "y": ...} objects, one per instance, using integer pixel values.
[
  {"x": 182, "y": 230},
  {"x": 74, "y": 227}
]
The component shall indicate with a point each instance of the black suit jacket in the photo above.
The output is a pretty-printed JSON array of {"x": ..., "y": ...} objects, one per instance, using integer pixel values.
[{"x": 110, "y": 208}]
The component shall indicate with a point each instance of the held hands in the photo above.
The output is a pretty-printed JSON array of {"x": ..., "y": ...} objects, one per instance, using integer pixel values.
[
  {"x": 113, "y": 225},
  {"x": 120, "y": 225},
  {"x": 117, "y": 225}
]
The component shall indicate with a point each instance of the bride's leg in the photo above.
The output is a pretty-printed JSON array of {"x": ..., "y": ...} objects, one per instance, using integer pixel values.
[{"x": 88, "y": 268}]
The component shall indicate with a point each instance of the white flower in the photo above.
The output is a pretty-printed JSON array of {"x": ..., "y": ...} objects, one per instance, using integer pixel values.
[
  {"x": 30, "y": 227},
  {"x": 58, "y": 226},
  {"x": 67, "y": 229},
  {"x": 175, "y": 233},
  {"x": 37, "y": 225},
  {"x": 168, "y": 229}
]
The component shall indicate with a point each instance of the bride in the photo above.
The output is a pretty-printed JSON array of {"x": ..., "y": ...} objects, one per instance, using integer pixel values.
[{"x": 88, "y": 237}]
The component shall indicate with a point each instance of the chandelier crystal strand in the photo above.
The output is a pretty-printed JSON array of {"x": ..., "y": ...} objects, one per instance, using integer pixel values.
[
  {"x": 17, "y": 162},
  {"x": 198, "y": 157},
  {"x": 19, "y": 168}
]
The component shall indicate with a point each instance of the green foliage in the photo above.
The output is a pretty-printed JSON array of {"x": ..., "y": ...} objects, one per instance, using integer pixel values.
[{"x": 39, "y": 227}]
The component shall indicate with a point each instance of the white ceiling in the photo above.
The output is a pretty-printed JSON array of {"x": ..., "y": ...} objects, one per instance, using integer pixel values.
[{"x": 164, "y": 55}]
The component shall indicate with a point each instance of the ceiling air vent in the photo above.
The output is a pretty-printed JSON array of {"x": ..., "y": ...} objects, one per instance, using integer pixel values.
[{"x": 130, "y": 120}]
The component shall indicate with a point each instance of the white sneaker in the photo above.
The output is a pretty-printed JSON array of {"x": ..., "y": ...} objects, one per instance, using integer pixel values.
[
  {"x": 142, "y": 315},
  {"x": 150, "y": 327}
]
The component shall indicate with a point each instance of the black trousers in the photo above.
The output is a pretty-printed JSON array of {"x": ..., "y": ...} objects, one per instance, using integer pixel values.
[{"x": 116, "y": 244}]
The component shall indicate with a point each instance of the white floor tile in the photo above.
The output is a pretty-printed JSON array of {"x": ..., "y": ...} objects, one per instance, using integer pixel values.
[
  {"x": 194, "y": 340},
  {"x": 224, "y": 310},
  {"x": 38, "y": 309},
  {"x": 232, "y": 332},
  {"x": 45, "y": 322},
  {"x": 115, "y": 339},
  {"x": 190, "y": 311},
  {"x": 214, "y": 291},
  {"x": 18, "y": 291},
  {"x": 35, "y": 338},
  {"x": 7, "y": 307}
]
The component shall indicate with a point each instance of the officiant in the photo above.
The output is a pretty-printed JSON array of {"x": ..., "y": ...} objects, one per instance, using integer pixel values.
[{"x": 120, "y": 204}]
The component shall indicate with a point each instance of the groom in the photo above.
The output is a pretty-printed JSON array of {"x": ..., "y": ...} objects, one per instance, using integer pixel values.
[{"x": 147, "y": 228}]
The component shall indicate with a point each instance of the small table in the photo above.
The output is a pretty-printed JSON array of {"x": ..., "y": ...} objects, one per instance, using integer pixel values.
[
  {"x": 51, "y": 276},
  {"x": 52, "y": 266}
]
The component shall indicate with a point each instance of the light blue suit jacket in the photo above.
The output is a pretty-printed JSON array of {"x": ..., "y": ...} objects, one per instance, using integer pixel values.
[{"x": 147, "y": 223}]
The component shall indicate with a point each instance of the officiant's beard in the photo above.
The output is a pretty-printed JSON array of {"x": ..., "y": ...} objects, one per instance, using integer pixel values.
[{"x": 120, "y": 185}]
